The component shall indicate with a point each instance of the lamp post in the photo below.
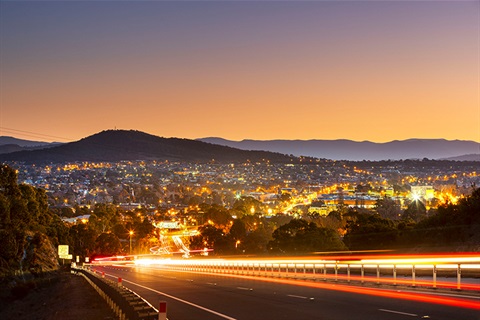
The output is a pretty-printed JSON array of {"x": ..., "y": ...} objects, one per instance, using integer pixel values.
[{"x": 131, "y": 234}]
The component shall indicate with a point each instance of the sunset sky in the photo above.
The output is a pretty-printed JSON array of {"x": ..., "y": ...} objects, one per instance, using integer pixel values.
[{"x": 359, "y": 70}]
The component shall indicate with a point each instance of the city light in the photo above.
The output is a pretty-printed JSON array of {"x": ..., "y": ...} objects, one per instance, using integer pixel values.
[{"x": 130, "y": 233}]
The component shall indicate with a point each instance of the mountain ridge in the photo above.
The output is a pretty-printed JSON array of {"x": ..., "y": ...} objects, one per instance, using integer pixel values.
[
  {"x": 103, "y": 147},
  {"x": 344, "y": 149},
  {"x": 22, "y": 142},
  {"x": 118, "y": 145},
  {"x": 10, "y": 144}
]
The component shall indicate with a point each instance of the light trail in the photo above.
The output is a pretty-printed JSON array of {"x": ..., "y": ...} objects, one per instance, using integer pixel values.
[
  {"x": 294, "y": 269},
  {"x": 404, "y": 295}
]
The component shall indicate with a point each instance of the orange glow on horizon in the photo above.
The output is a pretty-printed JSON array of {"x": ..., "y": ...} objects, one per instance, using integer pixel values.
[{"x": 197, "y": 78}]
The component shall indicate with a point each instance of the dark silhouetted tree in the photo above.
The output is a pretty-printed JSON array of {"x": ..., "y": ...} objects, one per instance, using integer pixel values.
[
  {"x": 107, "y": 244},
  {"x": 300, "y": 236},
  {"x": 370, "y": 231}
]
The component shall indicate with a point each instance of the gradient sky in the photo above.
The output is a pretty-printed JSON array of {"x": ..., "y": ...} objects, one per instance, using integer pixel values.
[{"x": 359, "y": 70}]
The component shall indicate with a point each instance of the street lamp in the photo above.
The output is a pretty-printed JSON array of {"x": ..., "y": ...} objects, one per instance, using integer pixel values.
[{"x": 131, "y": 234}]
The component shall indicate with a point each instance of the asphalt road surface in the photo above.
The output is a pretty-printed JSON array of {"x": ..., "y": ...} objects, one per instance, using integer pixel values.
[{"x": 206, "y": 296}]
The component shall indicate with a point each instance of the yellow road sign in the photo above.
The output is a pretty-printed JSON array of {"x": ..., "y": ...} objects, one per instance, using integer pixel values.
[{"x": 62, "y": 250}]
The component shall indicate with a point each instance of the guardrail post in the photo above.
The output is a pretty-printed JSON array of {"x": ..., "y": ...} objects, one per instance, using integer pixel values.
[
  {"x": 413, "y": 275},
  {"x": 394, "y": 275},
  {"x": 103, "y": 274},
  {"x": 378, "y": 274},
  {"x": 459, "y": 277},
  {"x": 162, "y": 311},
  {"x": 348, "y": 273},
  {"x": 363, "y": 273},
  {"x": 336, "y": 272},
  {"x": 434, "y": 276},
  {"x": 119, "y": 283},
  {"x": 314, "y": 276},
  {"x": 325, "y": 271}
]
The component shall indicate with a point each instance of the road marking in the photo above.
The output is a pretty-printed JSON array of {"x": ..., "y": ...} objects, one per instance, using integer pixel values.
[
  {"x": 243, "y": 288},
  {"x": 212, "y": 283},
  {"x": 398, "y": 312},
  {"x": 184, "y": 301},
  {"x": 294, "y": 296}
]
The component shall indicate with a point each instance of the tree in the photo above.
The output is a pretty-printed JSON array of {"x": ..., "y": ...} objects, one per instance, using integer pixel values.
[
  {"x": 388, "y": 209},
  {"x": 300, "y": 236},
  {"x": 120, "y": 231},
  {"x": 257, "y": 241},
  {"x": 416, "y": 211},
  {"x": 244, "y": 206},
  {"x": 370, "y": 231},
  {"x": 214, "y": 238},
  {"x": 23, "y": 212},
  {"x": 83, "y": 240},
  {"x": 143, "y": 229},
  {"x": 451, "y": 225},
  {"x": 238, "y": 231},
  {"x": 107, "y": 244},
  {"x": 218, "y": 215},
  {"x": 8, "y": 181},
  {"x": 104, "y": 217}
]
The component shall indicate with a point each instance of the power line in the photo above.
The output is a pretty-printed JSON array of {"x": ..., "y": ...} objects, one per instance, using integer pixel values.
[{"x": 32, "y": 134}]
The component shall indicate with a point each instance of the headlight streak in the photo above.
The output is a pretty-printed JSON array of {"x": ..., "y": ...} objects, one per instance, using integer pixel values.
[
  {"x": 410, "y": 296},
  {"x": 302, "y": 268}
]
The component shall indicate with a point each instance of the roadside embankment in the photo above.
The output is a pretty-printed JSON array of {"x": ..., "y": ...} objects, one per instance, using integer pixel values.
[{"x": 62, "y": 296}]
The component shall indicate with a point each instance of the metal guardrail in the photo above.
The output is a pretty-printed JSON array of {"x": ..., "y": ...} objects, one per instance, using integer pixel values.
[
  {"x": 392, "y": 272},
  {"x": 125, "y": 303}
]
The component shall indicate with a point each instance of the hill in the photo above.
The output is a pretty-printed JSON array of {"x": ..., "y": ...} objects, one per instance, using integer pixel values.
[
  {"x": 11, "y": 144},
  {"x": 22, "y": 143},
  {"x": 466, "y": 157},
  {"x": 358, "y": 151},
  {"x": 118, "y": 145}
]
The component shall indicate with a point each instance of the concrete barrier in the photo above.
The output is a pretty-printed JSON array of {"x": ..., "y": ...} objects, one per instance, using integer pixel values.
[{"x": 126, "y": 304}]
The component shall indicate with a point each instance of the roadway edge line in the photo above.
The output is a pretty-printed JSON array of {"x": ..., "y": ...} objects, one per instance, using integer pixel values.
[
  {"x": 181, "y": 300},
  {"x": 399, "y": 312}
]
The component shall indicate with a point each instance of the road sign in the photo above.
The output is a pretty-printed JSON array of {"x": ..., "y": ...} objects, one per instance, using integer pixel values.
[{"x": 62, "y": 250}]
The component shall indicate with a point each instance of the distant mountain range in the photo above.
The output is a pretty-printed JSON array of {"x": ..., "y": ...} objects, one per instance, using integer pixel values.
[
  {"x": 118, "y": 145},
  {"x": 11, "y": 144},
  {"x": 4, "y": 140},
  {"x": 365, "y": 150}
]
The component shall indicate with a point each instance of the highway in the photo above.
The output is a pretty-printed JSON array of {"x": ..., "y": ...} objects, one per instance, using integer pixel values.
[{"x": 218, "y": 296}]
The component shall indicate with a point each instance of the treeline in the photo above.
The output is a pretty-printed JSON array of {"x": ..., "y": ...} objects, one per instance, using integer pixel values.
[
  {"x": 28, "y": 229},
  {"x": 453, "y": 227}
]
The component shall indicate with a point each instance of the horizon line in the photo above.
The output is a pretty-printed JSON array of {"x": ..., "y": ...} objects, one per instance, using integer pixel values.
[{"x": 52, "y": 139}]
